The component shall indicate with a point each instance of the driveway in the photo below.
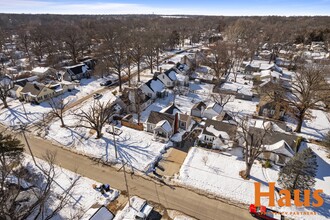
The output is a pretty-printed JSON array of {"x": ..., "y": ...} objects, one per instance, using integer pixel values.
[{"x": 172, "y": 162}]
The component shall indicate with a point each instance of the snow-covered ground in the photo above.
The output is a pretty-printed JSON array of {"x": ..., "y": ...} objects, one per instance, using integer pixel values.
[
  {"x": 316, "y": 127},
  {"x": 218, "y": 174},
  {"x": 137, "y": 148},
  {"x": 83, "y": 195},
  {"x": 16, "y": 114}
]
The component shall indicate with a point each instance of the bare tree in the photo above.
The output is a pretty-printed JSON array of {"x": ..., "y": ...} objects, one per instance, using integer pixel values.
[
  {"x": 219, "y": 59},
  {"x": 221, "y": 98},
  {"x": 38, "y": 41},
  {"x": 6, "y": 85},
  {"x": 25, "y": 41},
  {"x": 72, "y": 36},
  {"x": 114, "y": 50},
  {"x": 58, "y": 106},
  {"x": 96, "y": 116},
  {"x": 310, "y": 90},
  {"x": 137, "y": 52},
  {"x": 32, "y": 193},
  {"x": 252, "y": 142},
  {"x": 150, "y": 53}
]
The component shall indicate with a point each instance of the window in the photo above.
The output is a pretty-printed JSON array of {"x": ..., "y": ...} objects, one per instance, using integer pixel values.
[
  {"x": 264, "y": 111},
  {"x": 272, "y": 112},
  {"x": 182, "y": 124}
]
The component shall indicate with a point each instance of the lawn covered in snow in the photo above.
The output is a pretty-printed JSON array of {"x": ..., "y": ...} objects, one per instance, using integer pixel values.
[
  {"x": 316, "y": 126},
  {"x": 15, "y": 114},
  {"x": 218, "y": 174},
  {"x": 137, "y": 148},
  {"x": 83, "y": 195}
]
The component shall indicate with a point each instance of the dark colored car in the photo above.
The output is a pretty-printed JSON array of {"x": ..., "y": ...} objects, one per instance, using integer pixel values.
[
  {"x": 106, "y": 83},
  {"x": 97, "y": 96}
]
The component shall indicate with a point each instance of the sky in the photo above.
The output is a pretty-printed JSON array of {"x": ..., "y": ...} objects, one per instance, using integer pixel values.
[{"x": 169, "y": 7}]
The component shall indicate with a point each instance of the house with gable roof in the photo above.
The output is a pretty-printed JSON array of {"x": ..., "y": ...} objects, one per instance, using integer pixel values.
[
  {"x": 219, "y": 135},
  {"x": 278, "y": 145},
  {"x": 168, "y": 78},
  {"x": 153, "y": 88},
  {"x": 76, "y": 72},
  {"x": 212, "y": 110},
  {"x": 161, "y": 124}
]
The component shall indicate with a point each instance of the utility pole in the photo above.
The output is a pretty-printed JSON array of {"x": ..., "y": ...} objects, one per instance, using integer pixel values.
[
  {"x": 129, "y": 198},
  {"x": 23, "y": 127}
]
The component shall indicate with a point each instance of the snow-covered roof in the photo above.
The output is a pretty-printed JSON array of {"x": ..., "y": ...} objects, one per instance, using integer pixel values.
[
  {"x": 268, "y": 125},
  {"x": 172, "y": 75},
  {"x": 102, "y": 213},
  {"x": 181, "y": 77},
  {"x": 280, "y": 147},
  {"x": 165, "y": 125},
  {"x": 270, "y": 73},
  {"x": 235, "y": 87},
  {"x": 215, "y": 107},
  {"x": 40, "y": 70},
  {"x": 130, "y": 211},
  {"x": 178, "y": 136},
  {"x": 217, "y": 133},
  {"x": 171, "y": 109},
  {"x": 155, "y": 85}
]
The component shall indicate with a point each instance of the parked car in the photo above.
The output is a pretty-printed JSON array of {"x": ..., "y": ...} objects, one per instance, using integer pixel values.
[
  {"x": 144, "y": 212},
  {"x": 109, "y": 83},
  {"x": 262, "y": 212},
  {"x": 116, "y": 131},
  {"x": 97, "y": 96}
]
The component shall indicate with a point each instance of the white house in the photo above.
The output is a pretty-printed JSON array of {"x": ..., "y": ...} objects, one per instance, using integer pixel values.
[
  {"x": 212, "y": 110},
  {"x": 153, "y": 88},
  {"x": 182, "y": 80},
  {"x": 43, "y": 71},
  {"x": 279, "y": 153},
  {"x": 163, "y": 129},
  {"x": 219, "y": 135},
  {"x": 168, "y": 78}
]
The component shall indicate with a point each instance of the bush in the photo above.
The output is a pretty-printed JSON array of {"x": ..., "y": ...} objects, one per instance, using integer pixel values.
[
  {"x": 114, "y": 92},
  {"x": 267, "y": 164}
]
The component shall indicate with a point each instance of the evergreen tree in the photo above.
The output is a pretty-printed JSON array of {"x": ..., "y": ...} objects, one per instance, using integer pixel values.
[{"x": 299, "y": 173}]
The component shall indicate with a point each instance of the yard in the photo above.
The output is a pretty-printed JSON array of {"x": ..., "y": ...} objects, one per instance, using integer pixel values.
[
  {"x": 83, "y": 195},
  {"x": 137, "y": 148},
  {"x": 218, "y": 174},
  {"x": 28, "y": 113}
]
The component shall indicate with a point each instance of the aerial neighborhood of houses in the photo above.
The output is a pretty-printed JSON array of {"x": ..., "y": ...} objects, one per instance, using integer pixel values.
[{"x": 193, "y": 117}]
